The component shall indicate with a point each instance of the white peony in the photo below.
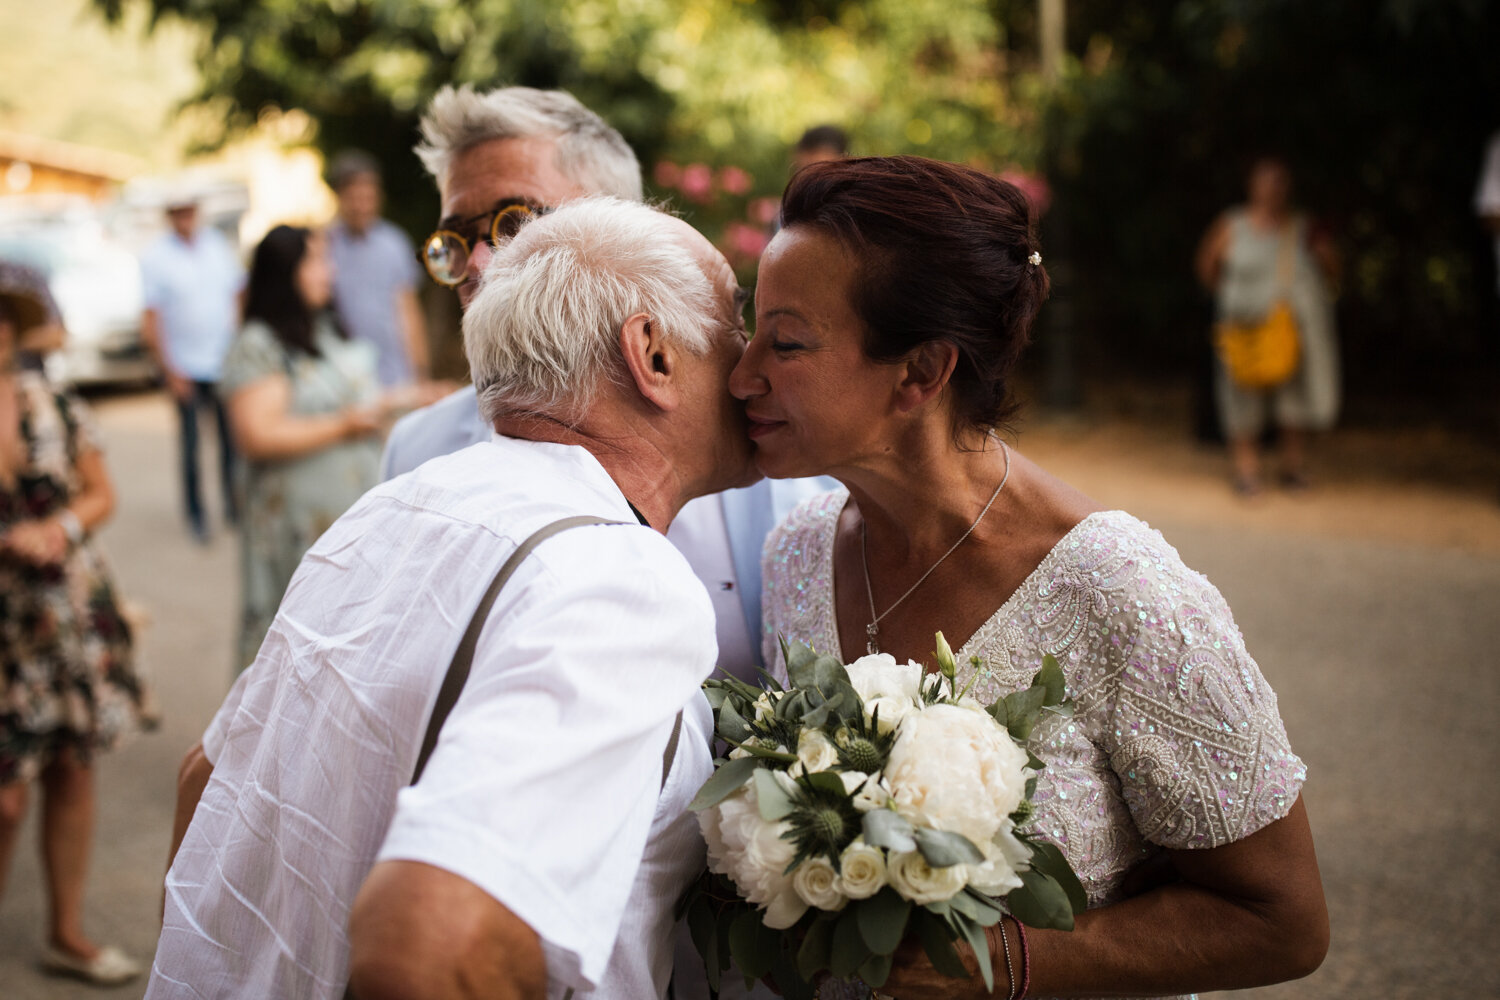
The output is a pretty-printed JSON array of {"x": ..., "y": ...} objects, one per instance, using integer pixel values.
[
  {"x": 918, "y": 881},
  {"x": 753, "y": 854},
  {"x": 815, "y": 751},
  {"x": 818, "y": 885},
  {"x": 956, "y": 770},
  {"x": 1004, "y": 857},
  {"x": 862, "y": 870}
]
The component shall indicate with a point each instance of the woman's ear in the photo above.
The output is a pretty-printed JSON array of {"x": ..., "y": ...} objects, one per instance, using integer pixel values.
[
  {"x": 649, "y": 361},
  {"x": 926, "y": 374}
]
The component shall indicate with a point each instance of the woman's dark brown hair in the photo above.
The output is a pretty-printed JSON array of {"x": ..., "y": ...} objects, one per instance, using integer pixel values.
[{"x": 941, "y": 253}]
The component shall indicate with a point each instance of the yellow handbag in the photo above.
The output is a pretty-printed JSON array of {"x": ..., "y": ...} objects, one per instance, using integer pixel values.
[{"x": 1263, "y": 355}]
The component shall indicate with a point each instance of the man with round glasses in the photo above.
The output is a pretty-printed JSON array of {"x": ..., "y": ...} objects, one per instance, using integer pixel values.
[{"x": 500, "y": 158}]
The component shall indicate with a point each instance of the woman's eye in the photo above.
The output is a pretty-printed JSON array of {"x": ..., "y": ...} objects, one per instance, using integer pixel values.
[{"x": 785, "y": 346}]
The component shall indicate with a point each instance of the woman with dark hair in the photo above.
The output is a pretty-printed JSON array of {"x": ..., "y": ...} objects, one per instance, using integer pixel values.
[
  {"x": 306, "y": 414},
  {"x": 890, "y": 313}
]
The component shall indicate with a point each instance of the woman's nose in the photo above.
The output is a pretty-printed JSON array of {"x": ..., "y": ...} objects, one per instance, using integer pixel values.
[{"x": 745, "y": 381}]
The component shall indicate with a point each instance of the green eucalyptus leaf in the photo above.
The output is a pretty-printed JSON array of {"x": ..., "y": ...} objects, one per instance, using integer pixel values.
[
  {"x": 723, "y": 783},
  {"x": 715, "y": 693},
  {"x": 789, "y": 980},
  {"x": 828, "y": 673},
  {"x": 816, "y": 951},
  {"x": 770, "y": 797},
  {"x": 938, "y": 943},
  {"x": 849, "y": 951},
  {"x": 752, "y": 949},
  {"x": 732, "y": 725},
  {"x": 1000, "y": 713},
  {"x": 799, "y": 665},
  {"x": 886, "y": 828},
  {"x": 882, "y": 921},
  {"x": 1048, "y": 859},
  {"x": 1050, "y": 677},
  {"x": 827, "y": 781},
  {"x": 1064, "y": 711},
  {"x": 1040, "y": 902},
  {"x": 1034, "y": 762},
  {"x": 875, "y": 971},
  {"x": 1023, "y": 708},
  {"x": 974, "y": 934},
  {"x": 976, "y": 907},
  {"x": 943, "y": 849}
]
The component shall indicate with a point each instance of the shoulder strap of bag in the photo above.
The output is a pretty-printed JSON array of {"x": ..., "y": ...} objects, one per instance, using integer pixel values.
[
  {"x": 463, "y": 657},
  {"x": 1285, "y": 252}
]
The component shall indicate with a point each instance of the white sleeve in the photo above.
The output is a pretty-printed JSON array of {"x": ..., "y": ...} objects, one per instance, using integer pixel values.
[
  {"x": 544, "y": 782},
  {"x": 218, "y": 729}
]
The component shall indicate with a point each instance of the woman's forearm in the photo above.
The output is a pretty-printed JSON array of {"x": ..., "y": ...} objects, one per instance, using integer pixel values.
[
  {"x": 292, "y": 436},
  {"x": 1247, "y": 914}
]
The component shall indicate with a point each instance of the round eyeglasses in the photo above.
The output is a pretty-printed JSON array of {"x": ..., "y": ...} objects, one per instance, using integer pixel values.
[{"x": 445, "y": 254}]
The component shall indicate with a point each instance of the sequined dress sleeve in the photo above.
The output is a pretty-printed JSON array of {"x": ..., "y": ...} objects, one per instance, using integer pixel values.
[{"x": 1176, "y": 741}]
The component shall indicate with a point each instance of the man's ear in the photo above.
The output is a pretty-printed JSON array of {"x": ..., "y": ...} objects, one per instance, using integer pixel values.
[
  {"x": 925, "y": 374},
  {"x": 650, "y": 361}
]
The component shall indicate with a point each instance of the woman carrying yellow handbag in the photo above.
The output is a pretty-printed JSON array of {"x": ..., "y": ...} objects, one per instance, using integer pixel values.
[{"x": 1274, "y": 333}]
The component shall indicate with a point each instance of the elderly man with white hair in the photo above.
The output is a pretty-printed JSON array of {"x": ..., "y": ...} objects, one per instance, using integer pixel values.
[
  {"x": 542, "y": 848},
  {"x": 496, "y": 156}
]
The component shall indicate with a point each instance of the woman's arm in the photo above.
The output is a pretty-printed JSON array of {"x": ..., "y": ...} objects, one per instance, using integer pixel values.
[
  {"x": 1210, "y": 256},
  {"x": 1242, "y": 915},
  {"x": 45, "y": 541},
  {"x": 265, "y": 429}
]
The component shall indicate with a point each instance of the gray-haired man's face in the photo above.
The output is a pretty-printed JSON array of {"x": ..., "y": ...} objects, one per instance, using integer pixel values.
[{"x": 490, "y": 172}]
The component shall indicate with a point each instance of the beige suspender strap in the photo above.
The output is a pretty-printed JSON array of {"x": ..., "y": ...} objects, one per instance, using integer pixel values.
[{"x": 463, "y": 657}]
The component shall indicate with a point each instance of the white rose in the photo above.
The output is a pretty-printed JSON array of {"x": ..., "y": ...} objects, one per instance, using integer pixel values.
[
  {"x": 956, "y": 770},
  {"x": 863, "y": 870},
  {"x": 764, "y": 708},
  {"x": 815, "y": 751},
  {"x": 818, "y": 885},
  {"x": 874, "y": 794},
  {"x": 753, "y": 854},
  {"x": 1004, "y": 858},
  {"x": 918, "y": 881},
  {"x": 891, "y": 710},
  {"x": 880, "y": 676},
  {"x": 853, "y": 780}
]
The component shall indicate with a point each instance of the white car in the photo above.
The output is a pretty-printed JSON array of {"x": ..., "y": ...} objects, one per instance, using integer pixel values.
[{"x": 97, "y": 285}]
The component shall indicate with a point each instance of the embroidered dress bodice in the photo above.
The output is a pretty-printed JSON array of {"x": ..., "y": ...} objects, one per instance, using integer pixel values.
[{"x": 1176, "y": 740}]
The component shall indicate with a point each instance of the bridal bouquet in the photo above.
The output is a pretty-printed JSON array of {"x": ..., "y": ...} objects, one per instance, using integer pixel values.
[{"x": 865, "y": 803}]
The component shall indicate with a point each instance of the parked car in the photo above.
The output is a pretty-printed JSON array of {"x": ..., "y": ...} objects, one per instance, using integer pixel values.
[{"x": 97, "y": 285}]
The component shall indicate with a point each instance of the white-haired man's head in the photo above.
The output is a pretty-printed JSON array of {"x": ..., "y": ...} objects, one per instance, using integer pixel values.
[
  {"x": 588, "y": 151},
  {"x": 543, "y": 332}
]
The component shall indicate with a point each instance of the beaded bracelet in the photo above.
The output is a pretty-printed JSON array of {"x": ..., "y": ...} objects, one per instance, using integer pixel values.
[
  {"x": 1010, "y": 970},
  {"x": 1025, "y": 963}
]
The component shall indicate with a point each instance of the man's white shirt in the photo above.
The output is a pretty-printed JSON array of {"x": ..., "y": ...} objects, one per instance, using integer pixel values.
[{"x": 543, "y": 790}]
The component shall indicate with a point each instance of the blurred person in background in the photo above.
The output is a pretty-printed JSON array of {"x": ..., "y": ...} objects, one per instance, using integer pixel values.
[
  {"x": 375, "y": 273},
  {"x": 70, "y": 687},
  {"x": 819, "y": 144},
  {"x": 306, "y": 412},
  {"x": 1253, "y": 256},
  {"x": 1487, "y": 198},
  {"x": 192, "y": 282}
]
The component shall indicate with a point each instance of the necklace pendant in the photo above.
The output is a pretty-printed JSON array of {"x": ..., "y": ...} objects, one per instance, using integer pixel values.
[{"x": 870, "y": 632}]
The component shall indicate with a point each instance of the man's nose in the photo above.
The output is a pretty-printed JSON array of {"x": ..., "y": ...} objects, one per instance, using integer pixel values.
[{"x": 479, "y": 259}]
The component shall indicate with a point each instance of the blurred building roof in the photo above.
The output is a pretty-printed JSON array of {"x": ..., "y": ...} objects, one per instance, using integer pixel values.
[{"x": 30, "y": 164}]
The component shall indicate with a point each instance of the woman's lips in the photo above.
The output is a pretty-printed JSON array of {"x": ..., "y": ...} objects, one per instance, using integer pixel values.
[{"x": 759, "y": 428}]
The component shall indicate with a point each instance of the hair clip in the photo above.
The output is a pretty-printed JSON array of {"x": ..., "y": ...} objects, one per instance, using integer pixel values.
[{"x": 1034, "y": 259}]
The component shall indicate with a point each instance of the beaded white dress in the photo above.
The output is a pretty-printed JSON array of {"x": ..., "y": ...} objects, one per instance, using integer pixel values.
[{"x": 1176, "y": 740}]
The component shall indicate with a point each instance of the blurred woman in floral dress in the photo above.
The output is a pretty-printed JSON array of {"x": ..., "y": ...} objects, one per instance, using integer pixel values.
[{"x": 70, "y": 687}]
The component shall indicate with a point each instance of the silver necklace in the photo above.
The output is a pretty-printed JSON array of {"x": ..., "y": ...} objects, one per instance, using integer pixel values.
[{"x": 872, "y": 630}]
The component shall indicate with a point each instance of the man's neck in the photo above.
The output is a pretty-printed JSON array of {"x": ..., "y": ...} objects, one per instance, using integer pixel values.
[{"x": 641, "y": 472}]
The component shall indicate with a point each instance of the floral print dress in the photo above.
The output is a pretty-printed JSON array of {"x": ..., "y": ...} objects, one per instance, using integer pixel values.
[{"x": 70, "y": 683}]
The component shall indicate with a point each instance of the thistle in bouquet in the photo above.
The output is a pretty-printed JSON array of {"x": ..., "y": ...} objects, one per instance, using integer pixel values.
[{"x": 864, "y": 803}]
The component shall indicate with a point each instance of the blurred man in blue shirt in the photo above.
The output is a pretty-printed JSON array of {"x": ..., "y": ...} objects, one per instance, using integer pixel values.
[
  {"x": 192, "y": 282},
  {"x": 375, "y": 273}
]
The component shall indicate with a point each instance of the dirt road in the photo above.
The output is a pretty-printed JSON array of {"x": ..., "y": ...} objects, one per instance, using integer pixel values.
[{"x": 1371, "y": 604}]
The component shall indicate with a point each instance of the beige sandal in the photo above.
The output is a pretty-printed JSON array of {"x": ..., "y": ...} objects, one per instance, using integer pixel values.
[{"x": 110, "y": 967}]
